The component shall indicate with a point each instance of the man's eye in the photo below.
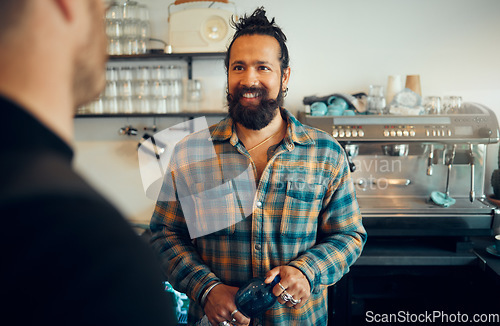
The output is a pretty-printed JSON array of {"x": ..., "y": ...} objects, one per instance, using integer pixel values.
[
  {"x": 264, "y": 68},
  {"x": 238, "y": 68}
]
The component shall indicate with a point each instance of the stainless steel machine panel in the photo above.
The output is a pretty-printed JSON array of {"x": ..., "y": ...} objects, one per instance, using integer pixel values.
[
  {"x": 477, "y": 125},
  {"x": 397, "y": 162}
]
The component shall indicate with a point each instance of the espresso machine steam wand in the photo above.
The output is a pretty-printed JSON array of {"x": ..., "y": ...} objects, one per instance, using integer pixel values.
[
  {"x": 449, "y": 162},
  {"x": 472, "y": 194},
  {"x": 430, "y": 158},
  {"x": 351, "y": 151}
]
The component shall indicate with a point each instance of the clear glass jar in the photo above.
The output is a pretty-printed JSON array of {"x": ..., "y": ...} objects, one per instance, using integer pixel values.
[{"x": 375, "y": 102}]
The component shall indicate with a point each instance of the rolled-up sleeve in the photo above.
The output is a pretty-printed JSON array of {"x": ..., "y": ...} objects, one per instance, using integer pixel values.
[{"x": 341, "y": 235}]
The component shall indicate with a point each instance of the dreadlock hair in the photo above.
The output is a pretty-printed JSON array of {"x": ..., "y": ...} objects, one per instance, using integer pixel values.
[{"x": 258, "y": 24}]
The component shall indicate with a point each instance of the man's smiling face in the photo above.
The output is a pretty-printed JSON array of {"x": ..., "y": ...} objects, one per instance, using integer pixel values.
[{"x": 255, "y": 79}]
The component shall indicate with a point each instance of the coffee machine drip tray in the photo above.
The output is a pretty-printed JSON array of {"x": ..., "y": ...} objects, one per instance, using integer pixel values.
[
  {"x": 418, "y": 216},
  {"x": 420, "y": 205}
]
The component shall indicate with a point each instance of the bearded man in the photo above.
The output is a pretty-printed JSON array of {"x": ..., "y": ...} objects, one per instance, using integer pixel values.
[
  {"x": 69, "y": 257},
  {"x": 303, "y": 224}
]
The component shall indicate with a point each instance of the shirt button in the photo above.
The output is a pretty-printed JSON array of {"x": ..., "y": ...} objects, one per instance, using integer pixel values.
[
  {"x": 258, "y": 247},
  {"x": 259, "y": 204}
]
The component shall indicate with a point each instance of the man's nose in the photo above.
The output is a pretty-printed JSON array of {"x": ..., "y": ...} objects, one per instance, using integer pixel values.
[{"x": 250, "y": 78}]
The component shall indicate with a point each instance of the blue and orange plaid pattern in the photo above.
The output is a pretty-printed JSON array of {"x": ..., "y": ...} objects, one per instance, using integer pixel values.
[{"x": 304, "y": 214}]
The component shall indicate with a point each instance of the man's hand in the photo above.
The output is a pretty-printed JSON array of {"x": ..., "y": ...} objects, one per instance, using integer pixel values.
[
  {"x": 220, "y": 304},
  {"x": 293, "y": 282}
]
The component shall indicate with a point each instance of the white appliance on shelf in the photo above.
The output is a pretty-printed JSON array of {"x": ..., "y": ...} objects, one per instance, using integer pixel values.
[{"x": 194, "y": 29}]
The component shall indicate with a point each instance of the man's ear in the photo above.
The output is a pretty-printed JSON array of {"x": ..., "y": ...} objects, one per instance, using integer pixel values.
[
  {"x": 285, "y": 78},
  {"x": 66, "y": 7}
]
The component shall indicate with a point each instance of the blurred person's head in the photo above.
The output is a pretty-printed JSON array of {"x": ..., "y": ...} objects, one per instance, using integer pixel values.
[
  {"x": 90, "y": 62},
  {"x": 65, "y": 37},
  {"x": 258, "y": 71}
]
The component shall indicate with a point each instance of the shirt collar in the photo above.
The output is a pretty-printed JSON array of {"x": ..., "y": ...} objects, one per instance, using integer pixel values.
[
  {"x": 296, "y": 133},
  {"x": 28, "y": 133}
]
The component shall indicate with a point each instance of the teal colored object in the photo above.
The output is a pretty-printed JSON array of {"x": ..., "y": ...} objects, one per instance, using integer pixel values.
[
  {"x": 334, "y": 106},
  {"x": 442, "y": 199},
  {"x": 349, "y": 112},
  {"x": 318, "y": 109},
  {"x": 335, "y": 112},
  {"x": 337, "y": 103}
]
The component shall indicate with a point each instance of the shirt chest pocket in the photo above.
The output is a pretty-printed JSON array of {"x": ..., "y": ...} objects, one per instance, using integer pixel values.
[
  {"x": 303, "y": 202},
  {"x": 212, "y": 211}
]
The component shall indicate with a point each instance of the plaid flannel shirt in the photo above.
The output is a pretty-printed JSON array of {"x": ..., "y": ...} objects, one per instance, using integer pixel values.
[{"x": 304, "y": 214}]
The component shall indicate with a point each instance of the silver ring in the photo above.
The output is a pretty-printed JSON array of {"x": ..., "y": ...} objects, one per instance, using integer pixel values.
[
  {"x": 232, "y": 314},
  {"x": 281, "y": 286},
  {"x": 224, "y": 323},
  {"x": 295, "y": 301},
  {"x": 286, "y": 296}
]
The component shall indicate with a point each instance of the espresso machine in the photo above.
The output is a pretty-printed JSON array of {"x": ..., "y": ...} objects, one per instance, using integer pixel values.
[
  {"x": 399, "y": 162},
  {"x": 420, "y": 184}
]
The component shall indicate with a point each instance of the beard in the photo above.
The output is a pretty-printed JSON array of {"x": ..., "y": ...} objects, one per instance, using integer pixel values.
[{"x": 254, "y": 117}]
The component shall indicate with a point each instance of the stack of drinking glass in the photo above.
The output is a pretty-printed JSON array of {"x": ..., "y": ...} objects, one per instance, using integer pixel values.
[
  {"x": 128, "y": 28},
  {"x": 143, "y": 89}
]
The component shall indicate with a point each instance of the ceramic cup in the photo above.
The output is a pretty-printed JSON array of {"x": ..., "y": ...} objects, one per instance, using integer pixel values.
[
  {"x": 497, "y": 242},
  {"x": 413, "y": 83},
  {"x": 395, "y": 84},
  {"x": 336, "y": 112},
  {"x": 318, "y": 109},
  {"x": 335, "y": 102},
  {"x": 335, "y": 109}
]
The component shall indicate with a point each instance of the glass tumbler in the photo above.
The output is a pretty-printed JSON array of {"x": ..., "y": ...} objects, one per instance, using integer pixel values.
[
  {"x": 432, "y": 105},
  {"x": 111, "y": 74},
  {"x": 144, "y": 28},
  {"x": 115, "y": 46},
  {"x": 131, "y": 27},
  {"x": 452, "y": 104},
  {"x": 114, "y": 28},
  {"x": 173, "y": 72},
  {"x": 194, "y": 93},
  {"x": 115, "y": 11},
  {"x": 125, "y": 73},
  {"x": 375, "y": 101},
  {"x": 158, "y": 73},
  {"x": 143, "y": 73}
]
